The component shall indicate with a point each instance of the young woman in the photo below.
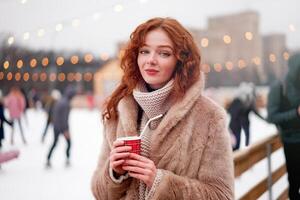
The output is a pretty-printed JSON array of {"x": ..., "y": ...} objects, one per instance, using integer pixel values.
[{"x": 186, "y": 154}]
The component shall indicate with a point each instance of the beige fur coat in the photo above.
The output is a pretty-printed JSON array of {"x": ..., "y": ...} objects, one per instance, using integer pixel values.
[{"x": 191, "y": 145}]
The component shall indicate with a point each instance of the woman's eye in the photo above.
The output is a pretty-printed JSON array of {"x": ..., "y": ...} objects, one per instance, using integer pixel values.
[
  {"x": 144, "y": 51},
  {"x": 164, "y": 54}
]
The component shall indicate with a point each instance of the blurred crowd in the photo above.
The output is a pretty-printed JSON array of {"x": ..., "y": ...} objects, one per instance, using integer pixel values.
[{"x": 14, "y": 112}]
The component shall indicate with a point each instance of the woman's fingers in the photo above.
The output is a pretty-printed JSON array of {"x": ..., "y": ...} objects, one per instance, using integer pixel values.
[
  {"x": 118, "y": 156},
  {"x": 117, "y": 143},
  {"x": 121, "y": 149},
  {"x": 140, "y": 167},
  {"x": 141, "y": 177},
  {"x": 115, "y": 164},
  {"x": 138, "y": 157},
  {"x": 136, "y": 169}
]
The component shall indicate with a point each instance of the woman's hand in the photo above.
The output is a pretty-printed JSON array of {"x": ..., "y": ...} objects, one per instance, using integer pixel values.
[
  {"x": 141, "y": 168},
  {"x": 118, "y": 155}
]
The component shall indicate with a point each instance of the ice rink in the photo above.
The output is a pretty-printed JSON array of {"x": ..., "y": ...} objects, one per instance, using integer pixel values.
[{"x": 27, "y": 178}]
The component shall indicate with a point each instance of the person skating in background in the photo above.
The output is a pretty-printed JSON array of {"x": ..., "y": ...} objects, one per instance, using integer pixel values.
[
  {"x": 27, "y": 105},
  {"x": 34, "y": 98},
  {"x": 61, "y": 112},
  {"x": 239, "y": 110},
  {"x": 2, "y": 121},
  {"x": 15, "y": 103},
  {"x": 284, "y": 111},
  {"x": 48, "y": 102}
]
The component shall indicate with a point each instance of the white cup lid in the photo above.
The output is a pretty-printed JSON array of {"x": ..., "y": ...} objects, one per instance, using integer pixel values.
[{"x": 129, "y": 138}]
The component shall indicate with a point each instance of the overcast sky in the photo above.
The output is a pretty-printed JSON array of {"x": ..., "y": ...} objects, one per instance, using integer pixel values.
[{"x": 99, "y": 27}]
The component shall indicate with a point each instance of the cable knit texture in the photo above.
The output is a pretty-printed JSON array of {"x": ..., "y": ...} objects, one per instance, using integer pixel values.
[
  {"x": 153, "y": 104},
  {"x": 190, "y": 145}
]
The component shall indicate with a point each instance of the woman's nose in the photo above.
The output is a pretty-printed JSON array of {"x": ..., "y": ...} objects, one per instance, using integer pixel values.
[{"x": 152, "y": 59}]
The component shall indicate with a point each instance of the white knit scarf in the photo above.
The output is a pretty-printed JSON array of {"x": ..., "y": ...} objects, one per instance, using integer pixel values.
[{"x": 152, "y": 103}]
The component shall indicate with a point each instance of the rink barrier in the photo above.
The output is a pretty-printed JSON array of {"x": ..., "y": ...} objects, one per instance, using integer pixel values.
[{"x": 245, "y": 159}]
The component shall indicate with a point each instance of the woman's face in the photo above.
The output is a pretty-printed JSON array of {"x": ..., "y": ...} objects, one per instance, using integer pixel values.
[{"x": 156, "y": 59}]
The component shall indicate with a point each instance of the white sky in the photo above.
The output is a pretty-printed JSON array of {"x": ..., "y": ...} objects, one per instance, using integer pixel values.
[{"x": 99, "y": 36}]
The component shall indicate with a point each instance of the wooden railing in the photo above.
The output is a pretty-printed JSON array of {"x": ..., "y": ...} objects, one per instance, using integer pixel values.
[{"x": 245, "y": 159}]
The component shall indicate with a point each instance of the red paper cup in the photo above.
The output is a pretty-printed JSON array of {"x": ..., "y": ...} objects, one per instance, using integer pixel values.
[{"x": 134, "y": 142}]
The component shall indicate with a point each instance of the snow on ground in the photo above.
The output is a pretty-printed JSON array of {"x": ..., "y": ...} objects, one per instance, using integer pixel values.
[{"x": 27, "y": 178}]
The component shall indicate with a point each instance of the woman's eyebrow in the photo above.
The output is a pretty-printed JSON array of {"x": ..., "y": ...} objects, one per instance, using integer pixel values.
[{"x": 159, "y": 46}]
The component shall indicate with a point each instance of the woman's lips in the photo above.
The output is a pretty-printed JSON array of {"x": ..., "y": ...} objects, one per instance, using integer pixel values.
[{"x": 151, "y": 72}]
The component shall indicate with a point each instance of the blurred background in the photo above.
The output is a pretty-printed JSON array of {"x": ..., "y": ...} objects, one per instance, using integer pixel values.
[{"x": 46, "y": 46}]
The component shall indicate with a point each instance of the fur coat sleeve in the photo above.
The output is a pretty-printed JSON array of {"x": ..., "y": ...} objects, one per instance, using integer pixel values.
[
  {"x": 215, "y": 175},
  {"x": 102, "y": 185}
]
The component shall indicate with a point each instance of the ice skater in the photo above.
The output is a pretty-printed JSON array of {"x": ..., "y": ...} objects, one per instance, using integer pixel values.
[{"x": 61, "y": 112}]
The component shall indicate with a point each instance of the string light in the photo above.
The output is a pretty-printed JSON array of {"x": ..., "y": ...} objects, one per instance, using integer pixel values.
[
  {"x": 88, "y": 77},
  {"x": 75, "y": 23},
  {"x": 9, "y": 76},
  {"x": 248, "y": 35},
  {"x": 74, "y": 60},
  {"x": 206, "y": 68},
  {"x": 204, "y": 42},
  {"x": 41, "y": 32},
  {"x": 286, "y": 55},
  {"x": 70, "y": 77},
  {"x": 256, "y": 60},
  {"x": 10, "y": 40},
  {"x": 59, "y": 27},
  {"x": 26, "y": 76},
  {"x": 52, "y": 77},
  {"x": 23, "y": 1},
  {"x": 118, "y": 8},
  {"x": 35, "y": 77},
  {"x": 33, "y": 62},
  {"x": 242, "y": 63},
  {"x": 88, "y": 58},
  {"x": 61, "y": 77},
  {"x": 43, "y": 76},
  {"x": 18, "y": 76},
  {"x": 19, "y": 64},
  {"x": 218, "y": 67},
  {"x": 96, "y": 16},
  {"x": 78, "y": 77},
  {"x": 6, "y": 64},
  {"x": 60, "y": 61},
  {"x": 45, "y": 61},
  {"x": 227, "y": 39},
  {"x": 229, "y": 65},
  {"x": 104, "y": 56},
  {"x": 26, "y": 36},
  {"x": 272, "y": 57}
]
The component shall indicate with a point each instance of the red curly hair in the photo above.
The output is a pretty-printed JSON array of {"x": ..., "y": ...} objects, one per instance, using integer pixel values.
[{"x": 187, "y": 70}]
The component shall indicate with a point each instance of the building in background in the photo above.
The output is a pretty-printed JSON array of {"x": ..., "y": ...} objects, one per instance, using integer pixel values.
[
  {"x": 106, "y": 80},
  {"x": 233, "y": 50},
  {"x": 275, "y": 54}
]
